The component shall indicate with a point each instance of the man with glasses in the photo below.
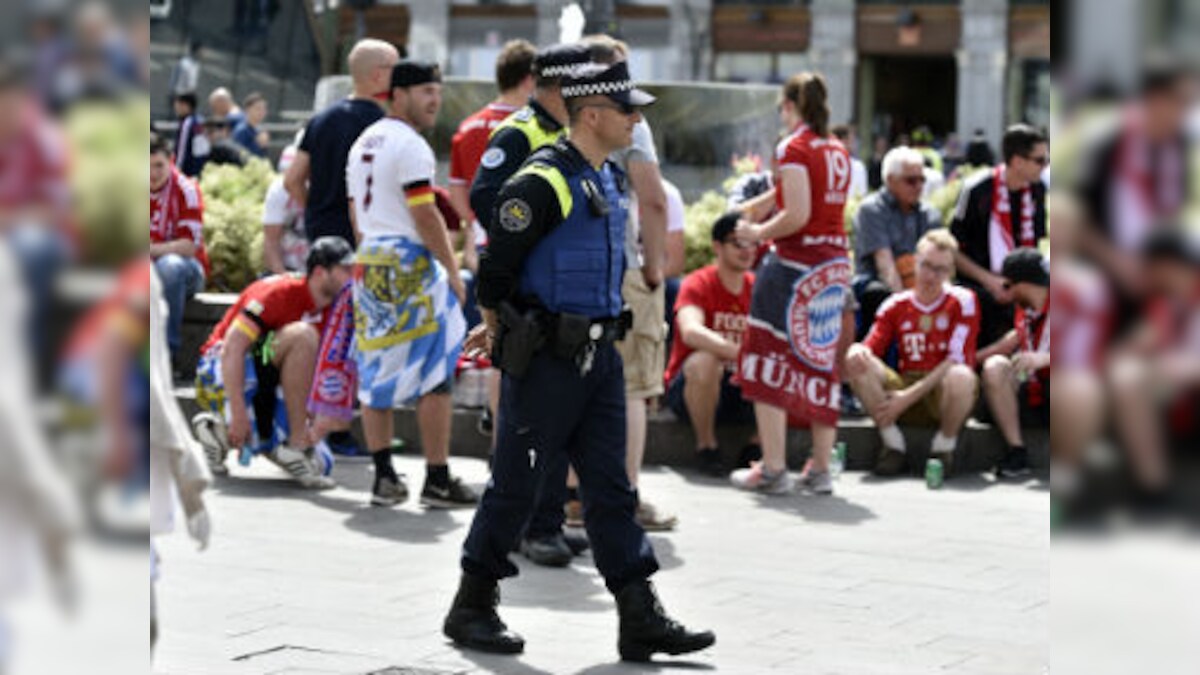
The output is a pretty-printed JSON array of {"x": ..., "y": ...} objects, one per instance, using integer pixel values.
[
  {"x": 887, "y": 226},
  {"x": 710, "y": 319},
  {"x": 1000, "y": 210},
  {"x": 550, "y": 293},
  {"x": 934, "y": 326}
]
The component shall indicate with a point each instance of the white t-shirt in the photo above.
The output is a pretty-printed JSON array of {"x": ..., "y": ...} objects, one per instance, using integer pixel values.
[
  {"x": 858, "y": 179},
  {"x": 279, "y": 209},
  {"x": 640, "y": 150},
  {"x": 675, "y": 207},
  {"x": 388, "y": 158}
]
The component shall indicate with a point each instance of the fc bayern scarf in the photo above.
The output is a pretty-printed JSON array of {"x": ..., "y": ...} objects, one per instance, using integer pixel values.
[{"x": 335, "y": 380}]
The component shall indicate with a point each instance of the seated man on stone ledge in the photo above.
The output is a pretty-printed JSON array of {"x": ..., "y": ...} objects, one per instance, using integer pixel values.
[{"x": 934, "y": 326}]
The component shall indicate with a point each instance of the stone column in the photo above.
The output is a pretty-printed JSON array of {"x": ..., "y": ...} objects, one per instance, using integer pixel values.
[
  {"x": 982, "y": 61},
  {"x": 834, "y": 53},
  {"x": 691, "y": 39},
  {"x": 429, "y": 31}
]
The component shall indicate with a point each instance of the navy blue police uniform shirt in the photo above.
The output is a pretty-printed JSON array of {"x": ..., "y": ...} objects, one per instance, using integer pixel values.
[
  {"x": 327, "y": 140},
  {"x": 501, "y": 263}
]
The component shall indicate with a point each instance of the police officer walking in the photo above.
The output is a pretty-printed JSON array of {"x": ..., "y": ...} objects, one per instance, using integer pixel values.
[
  {"x": 538, "y": 124},
  {"x": 550, "y": 289}
]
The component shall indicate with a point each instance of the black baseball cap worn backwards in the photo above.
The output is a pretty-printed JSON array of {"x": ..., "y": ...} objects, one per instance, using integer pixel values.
[
  {"x": 613, "y": 81},
  {"x": 412, "y": 73},
  {"x": 1026, "y": 265},
  {"x": 558, "y": 60},
  {"x": 329, "y": 252}
]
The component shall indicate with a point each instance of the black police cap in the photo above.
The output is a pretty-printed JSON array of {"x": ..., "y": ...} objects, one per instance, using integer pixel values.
[
  {"x": 1026, "y": 265},
  {"x": 413, "y": 73},
  {"x": 558, "y": 60},
  {"x": 329, "y": 252},
  {"x": 612, "y": 81}
]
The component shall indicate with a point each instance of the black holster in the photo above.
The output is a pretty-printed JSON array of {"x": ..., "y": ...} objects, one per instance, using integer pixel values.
[{"x": 520, "y": 337}]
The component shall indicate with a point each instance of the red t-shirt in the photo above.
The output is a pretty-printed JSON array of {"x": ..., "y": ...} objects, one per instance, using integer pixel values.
[
  {"x": 724, "y": 312},
  {"x": 1082, "y": 318},
  {"x": 828, "y": 166},
  {"x": 471, "y": 139},
  {"x": 270, "y": 304},
  {"x": 177, "y": 212},
  {"x": 927, "y": 334}
]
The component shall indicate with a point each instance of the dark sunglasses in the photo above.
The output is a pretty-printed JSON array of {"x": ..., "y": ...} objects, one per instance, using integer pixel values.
[
  {"x": 914, "y": 180},
  {"x": 1040, "y": 160}
]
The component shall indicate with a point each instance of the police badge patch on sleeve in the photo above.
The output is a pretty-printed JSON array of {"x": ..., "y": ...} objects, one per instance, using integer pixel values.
[
  {"x": 515, "y": 215},
  {"x": 492, "y": 158}
]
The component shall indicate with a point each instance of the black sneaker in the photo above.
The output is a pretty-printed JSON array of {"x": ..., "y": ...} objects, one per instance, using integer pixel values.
[
  {"x": 452, "y": 495},
  {"x": 578, "y": 543},
  {"x": 708, "y": 460},
  {"x": 1014, "y": 464},
  {"x": 388, "y": 491}
]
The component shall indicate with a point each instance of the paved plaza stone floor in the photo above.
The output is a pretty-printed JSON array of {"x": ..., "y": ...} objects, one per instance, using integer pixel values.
[{"x": 885, "y": 577}]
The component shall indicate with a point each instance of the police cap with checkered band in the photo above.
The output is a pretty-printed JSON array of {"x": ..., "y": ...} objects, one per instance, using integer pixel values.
[{"x": 612, "y": 81}]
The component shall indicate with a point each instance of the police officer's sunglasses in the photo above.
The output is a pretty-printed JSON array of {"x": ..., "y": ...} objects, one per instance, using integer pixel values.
[{"x": 623, "y": 108}]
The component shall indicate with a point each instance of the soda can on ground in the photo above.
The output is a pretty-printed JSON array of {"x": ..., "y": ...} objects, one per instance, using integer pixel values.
[{"x": 935, "y": 474}]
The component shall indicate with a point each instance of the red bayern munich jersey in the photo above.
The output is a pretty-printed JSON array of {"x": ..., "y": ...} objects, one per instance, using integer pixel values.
[
  {"x": 271, "y": 304},
  {"x": 828, "y": 166},
  {"x": 927, "y": 334},
  {"x": 724, "y": 312},
  {"x": 177, "y": 212},
  {"x": 471, "y": 139}
]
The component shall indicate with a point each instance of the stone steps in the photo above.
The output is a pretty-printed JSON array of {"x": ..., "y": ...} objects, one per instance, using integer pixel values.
[{"x": 668, "y": 441}]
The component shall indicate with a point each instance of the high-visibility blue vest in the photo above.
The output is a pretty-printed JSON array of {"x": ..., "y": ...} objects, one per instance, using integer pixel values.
[{"x": 578, "y": 267}]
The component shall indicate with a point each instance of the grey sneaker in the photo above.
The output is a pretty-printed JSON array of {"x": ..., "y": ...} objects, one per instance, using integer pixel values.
[
  {"x": 818, "y": 482},
  {"x": 757, "y": 479},
  {"x": 210, "y": 432},
  {"x": 300, "y": 465},
  {"x": 388, "y": 491}
]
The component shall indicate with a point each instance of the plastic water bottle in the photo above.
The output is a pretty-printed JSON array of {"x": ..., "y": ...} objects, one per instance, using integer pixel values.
[{"x": 837, "y": 463}]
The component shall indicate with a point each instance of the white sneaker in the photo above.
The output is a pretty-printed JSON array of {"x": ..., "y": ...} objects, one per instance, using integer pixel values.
[
  {"x": 210, "y": 432},
  {"x": 818, "y": 482},
  {"x": 756, "y": 479},
  {"x": 299, "y": 464}
]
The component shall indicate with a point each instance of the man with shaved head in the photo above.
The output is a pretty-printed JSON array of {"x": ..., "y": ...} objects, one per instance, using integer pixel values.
[
  {"x": 220, "y": 104},
  {"x": 317, "y": 177}
]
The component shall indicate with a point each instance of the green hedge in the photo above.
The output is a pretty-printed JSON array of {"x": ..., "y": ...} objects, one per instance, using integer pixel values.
[{"x": 233, "y": 202}]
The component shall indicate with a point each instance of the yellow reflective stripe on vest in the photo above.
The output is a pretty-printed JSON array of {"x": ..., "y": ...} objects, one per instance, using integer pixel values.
[
  {"x": 556, "y": 180},
  {"x": 534, "y": 133}
]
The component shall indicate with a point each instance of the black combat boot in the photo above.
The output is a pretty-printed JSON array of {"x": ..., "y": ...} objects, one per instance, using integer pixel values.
[
  {"x": 646, "y": 628},
  {"x": 473, "y": 621}
]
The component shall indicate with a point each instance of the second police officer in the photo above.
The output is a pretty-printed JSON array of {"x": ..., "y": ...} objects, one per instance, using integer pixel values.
[{"x": 550, "y": 293}]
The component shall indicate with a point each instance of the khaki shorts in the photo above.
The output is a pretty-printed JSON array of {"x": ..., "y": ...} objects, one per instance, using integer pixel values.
[
  {"x": 644, "y": 348},
  {"x": 925, "y": 413}
]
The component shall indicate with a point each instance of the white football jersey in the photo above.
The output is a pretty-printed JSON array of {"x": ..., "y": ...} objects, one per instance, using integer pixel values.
[{"x": 388, "y": 158}]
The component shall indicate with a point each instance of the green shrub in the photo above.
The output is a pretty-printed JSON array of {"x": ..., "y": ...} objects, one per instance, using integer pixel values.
[
  {"x": 233, "y": 199},
  {"x": 108, "y": 177}
]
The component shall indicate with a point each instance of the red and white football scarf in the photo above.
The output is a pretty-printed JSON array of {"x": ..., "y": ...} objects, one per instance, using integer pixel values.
[{"x": 1000, "y": 227}]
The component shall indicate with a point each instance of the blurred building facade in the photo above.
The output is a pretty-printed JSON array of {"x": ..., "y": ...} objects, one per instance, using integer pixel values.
[{"x": 953, "y": 65}]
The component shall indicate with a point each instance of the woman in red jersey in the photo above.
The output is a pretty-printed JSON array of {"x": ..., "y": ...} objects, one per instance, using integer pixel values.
[{"x": 789, "y": 359}]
